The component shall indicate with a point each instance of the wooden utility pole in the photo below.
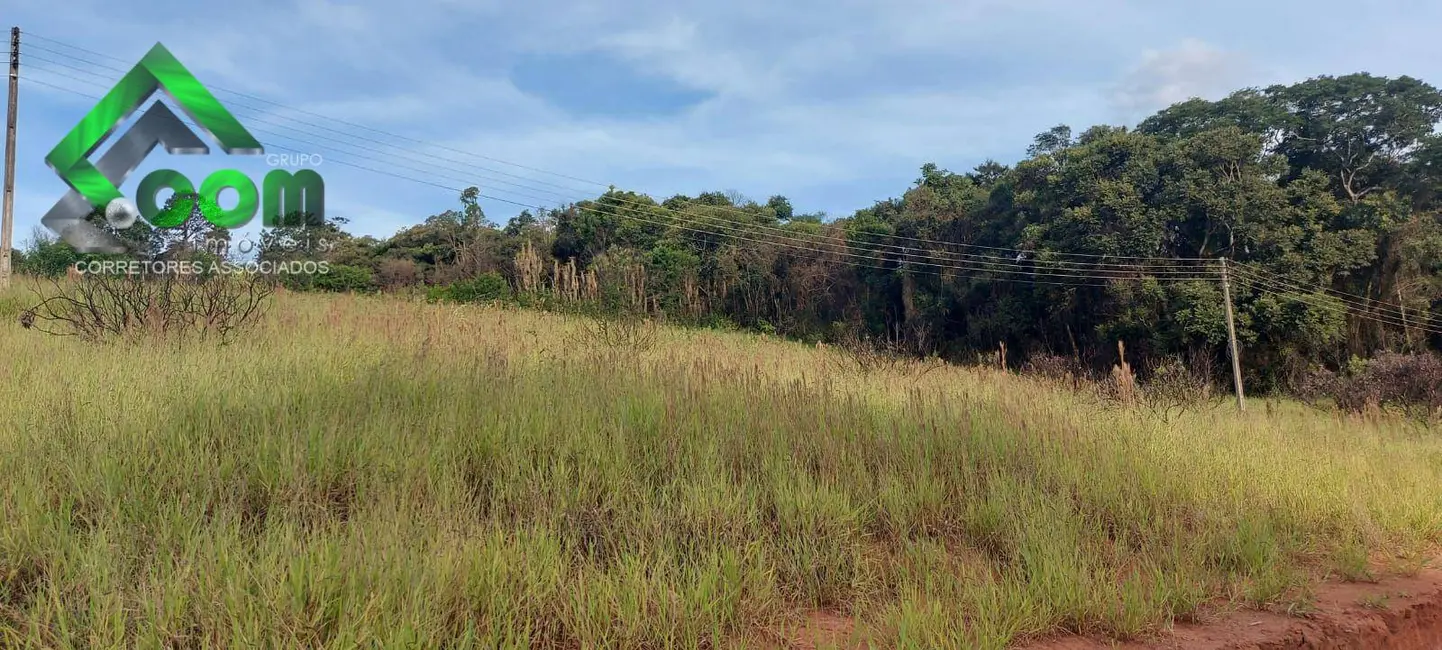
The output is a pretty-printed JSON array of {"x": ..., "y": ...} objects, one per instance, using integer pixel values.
[
  {"x": 1232, "y": 337},
  {"x": 1406, "y": 333},
  {"x": 7, "y": 217}
]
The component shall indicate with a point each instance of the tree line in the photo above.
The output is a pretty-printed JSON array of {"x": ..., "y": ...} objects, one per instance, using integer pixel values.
[{"x": 1325, "y": 196}]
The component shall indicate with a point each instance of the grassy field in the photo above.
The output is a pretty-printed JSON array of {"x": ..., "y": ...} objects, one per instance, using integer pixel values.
[{"x": 362, "y": 471}]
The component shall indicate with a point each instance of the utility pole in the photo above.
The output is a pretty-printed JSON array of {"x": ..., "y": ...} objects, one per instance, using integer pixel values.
[
  {"x": 7, "y": 217},
  {"x": 1406, "y": 333},
  {"x": 1232, "y": 337}
]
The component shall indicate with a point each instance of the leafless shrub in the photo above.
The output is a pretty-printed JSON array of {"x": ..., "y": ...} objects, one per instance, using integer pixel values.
[
  {"x": 107, "y": 307},
  {"x": 1316, "y": 385},
  {"x": 624, "y": 333},
  {"x": 868, "y": 354},
  {"x": 1168, "y": 388},
  {"x": 1358, "y": 394},
  {"x": 1204, "y": 368},
  {"x": 921, "y": 340},
  {"x": 395, "y": 274},
  {"x": 924, "y": 365},
  {"x": 1298, "y": 375},
  {"x": 1057, "y": 369},
  {"x": 1173, "y": 388},
  {"x": 1410, "y": 384}
]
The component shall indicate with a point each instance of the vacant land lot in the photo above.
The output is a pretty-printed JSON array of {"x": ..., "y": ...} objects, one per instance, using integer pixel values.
[{"x": 360, "y": 470}]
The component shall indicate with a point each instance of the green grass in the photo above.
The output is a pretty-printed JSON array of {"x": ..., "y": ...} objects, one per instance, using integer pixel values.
[{"x": 362, "y": 472}]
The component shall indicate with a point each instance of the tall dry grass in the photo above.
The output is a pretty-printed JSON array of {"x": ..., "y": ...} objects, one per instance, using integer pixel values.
[{"x": 370, "y": 472}]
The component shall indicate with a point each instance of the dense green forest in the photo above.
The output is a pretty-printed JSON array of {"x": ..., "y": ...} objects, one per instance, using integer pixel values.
[{"x": 1325, "y": 196}]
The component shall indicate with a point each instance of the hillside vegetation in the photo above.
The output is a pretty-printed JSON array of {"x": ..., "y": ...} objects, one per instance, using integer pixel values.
[
  {"x": 365, "y": 470},
  {"x": 1324, "y": 194}
]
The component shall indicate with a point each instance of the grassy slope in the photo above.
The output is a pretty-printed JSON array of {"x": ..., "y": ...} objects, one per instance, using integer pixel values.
[{"x": 363, "y": 471}]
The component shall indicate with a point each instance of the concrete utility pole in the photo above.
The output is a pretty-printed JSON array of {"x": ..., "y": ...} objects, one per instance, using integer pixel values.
[
  {"x": 7, "y": 217},
  {"x": 1232, "y": 337}
]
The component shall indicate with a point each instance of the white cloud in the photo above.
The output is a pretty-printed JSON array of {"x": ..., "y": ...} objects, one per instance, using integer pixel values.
[
  {"x": 1192, "y": 69},
  {"x": 836, "y": 100},
  {"x": 337, "y": 16}
]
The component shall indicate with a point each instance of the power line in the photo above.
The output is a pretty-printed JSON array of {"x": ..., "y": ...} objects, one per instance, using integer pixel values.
[
  {"x": 1360, "y": 302},
  {"x": 1267, "y": 286},
  {"x": 416, "y": 180},
  {"x": 1179, "y": 269},
  {"x": 255, "y": 119},
  {"x": 724, "y": 208},
  {"x": 258, "y": 130},
  {"x": 791, "y": 238},
  {"x": 1398, "y": 318},
  {"x": 333, "y": 119},
  {"x": 318, "y": 126},
  {"x": 790, "y": 243}
]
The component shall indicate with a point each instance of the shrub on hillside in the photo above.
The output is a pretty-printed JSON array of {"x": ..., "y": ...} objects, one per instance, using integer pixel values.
[
  {"x": 47, "y": 257},
  {"x": 1055, "y": 368},
  {"x": 486, "y": 287},
  {"x": 97, "y": 307},
  {"x": 618, "y": 333},
  {"x": 394, "y": 274},
  {"x": 1410, "y": 383},
  {"x": 345, "y": 278},
  {"x": 859, "y": 350},
  {"x": 1166, "y": 388},
  {"x": 1174, "y": 387}
]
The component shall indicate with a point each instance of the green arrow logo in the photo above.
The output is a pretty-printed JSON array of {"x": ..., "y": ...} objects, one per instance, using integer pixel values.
[{"x": 159, "y": 70}]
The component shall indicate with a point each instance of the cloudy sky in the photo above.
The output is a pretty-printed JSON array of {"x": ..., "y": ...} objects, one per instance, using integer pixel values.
[{"x": 834, "y": 104}]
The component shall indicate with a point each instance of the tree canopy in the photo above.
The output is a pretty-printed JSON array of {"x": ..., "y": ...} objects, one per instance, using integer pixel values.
[{"x": 1325, "y": 196}]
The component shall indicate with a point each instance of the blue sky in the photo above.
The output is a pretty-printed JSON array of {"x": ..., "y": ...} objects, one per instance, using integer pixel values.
[{"x": 835, "y": 104}]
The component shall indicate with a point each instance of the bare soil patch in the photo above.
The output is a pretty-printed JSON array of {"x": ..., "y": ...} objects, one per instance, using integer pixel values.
[
  {"x": 1396, "y": 613},
  {"x": 818, "y": 630},
  {"x": 1400, "y": 613}
]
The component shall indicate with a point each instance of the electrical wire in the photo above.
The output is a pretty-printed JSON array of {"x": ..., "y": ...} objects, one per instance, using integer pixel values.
[
  {"x": 1360, "y": 302},
  {"x": 854, "y": 264},
  {"x": 725, "y": 208},
  {"x": 26, "y": 79},
  {"x": 1266, "y": 286},
  {"x": 1173, "y": 268},
  {"x": 989, "y": 261},
  {"x": 325, "y": 117},
  {"x": 1100, "y": 269},
  {"x": 791, "y": 242}
]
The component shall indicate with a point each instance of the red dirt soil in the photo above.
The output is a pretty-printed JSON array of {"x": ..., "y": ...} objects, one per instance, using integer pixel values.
[
  {"x": 822, "y": 630},
  {"x": 1401, "y": 613},
  {"x": 1393, "y": 614}
]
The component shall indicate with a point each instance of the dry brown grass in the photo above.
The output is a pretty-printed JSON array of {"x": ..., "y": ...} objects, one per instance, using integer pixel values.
[{"x": 368, "y": 471}]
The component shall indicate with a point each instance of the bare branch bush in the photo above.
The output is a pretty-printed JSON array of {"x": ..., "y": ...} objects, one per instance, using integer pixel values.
[
  {"x": 1173, "y": 388},
  {"x": 1410, "y": 384},
  {"x": 1168, "y": 387},
  {"x": 868, "y": 354},
  {"x": 1056, "y": 369},
  {"x": 102, "y": 308},
  {"x": 623, "y": 333},
  {"x": 1317, "y": 385}
]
